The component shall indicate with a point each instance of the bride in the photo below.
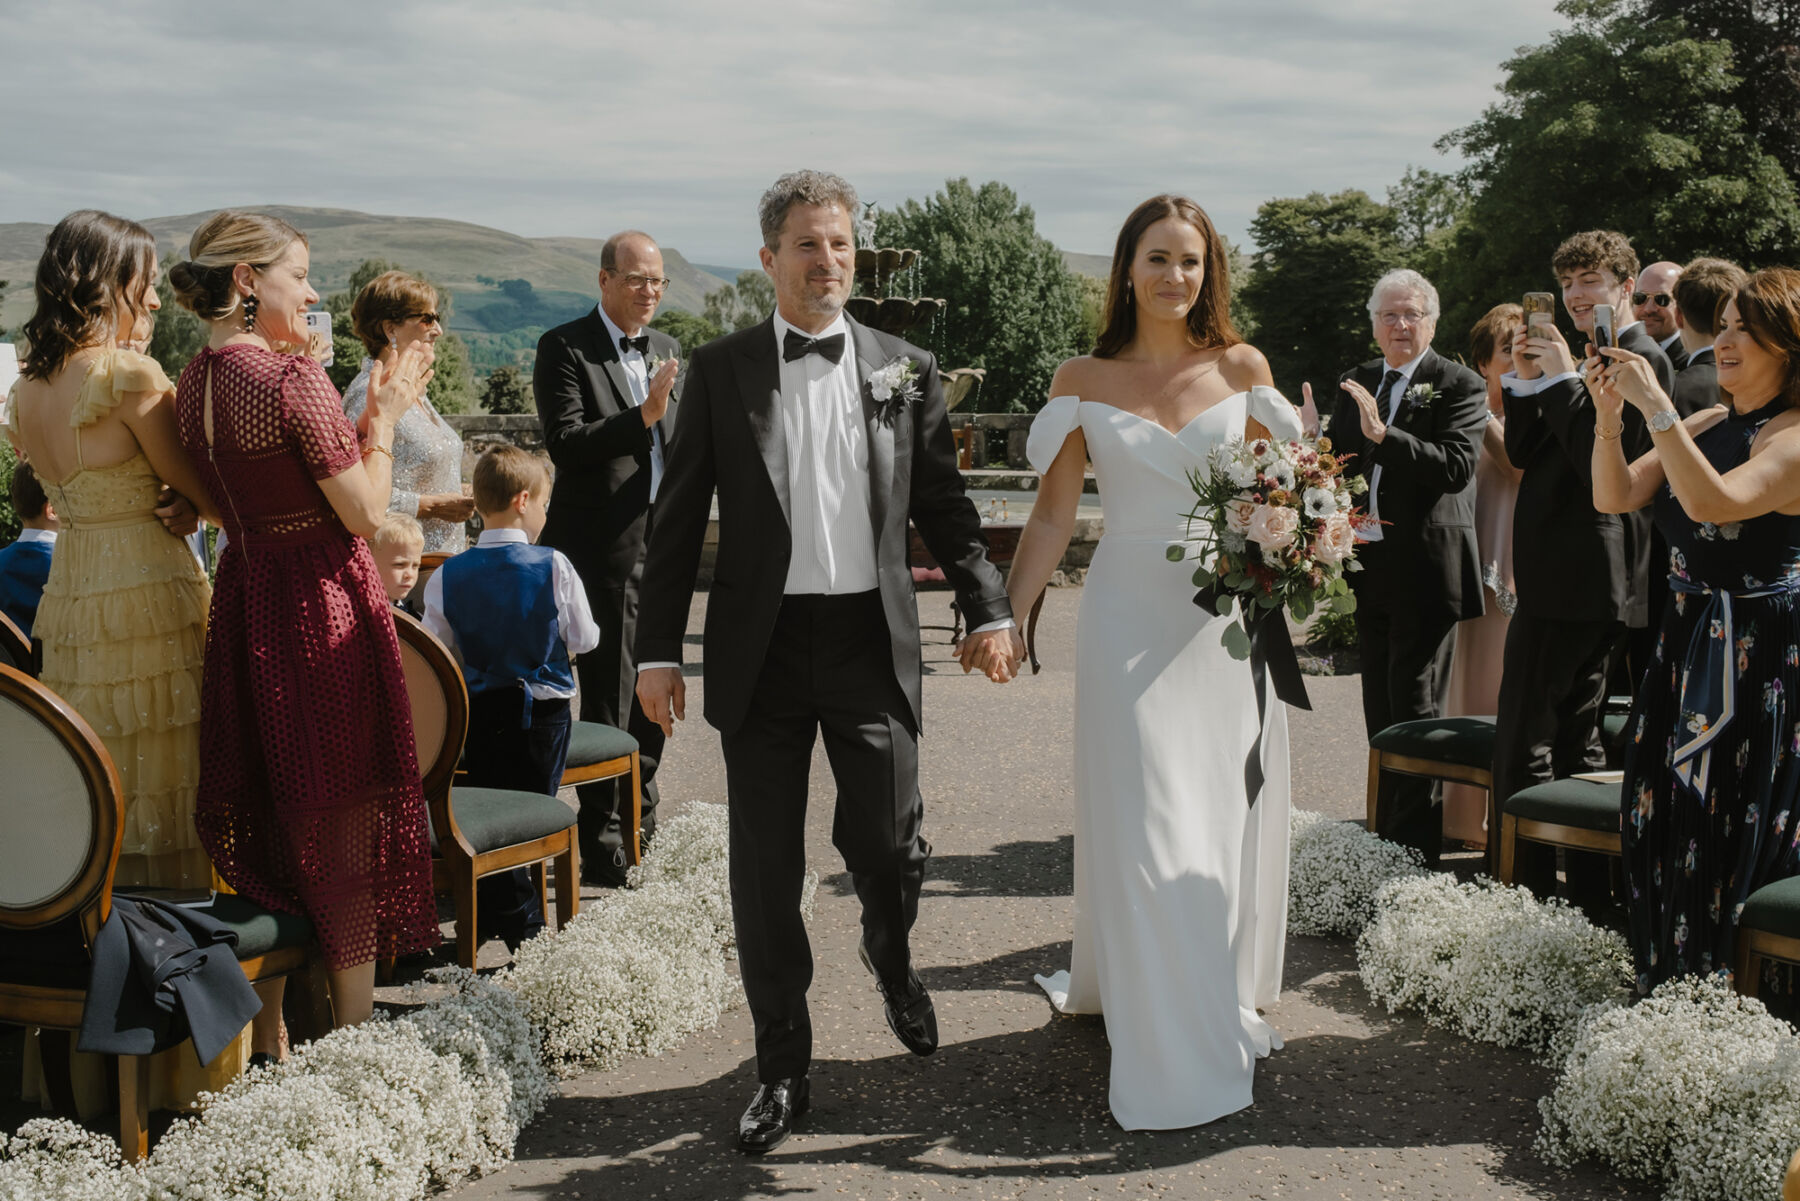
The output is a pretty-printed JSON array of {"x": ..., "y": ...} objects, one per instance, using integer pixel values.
[{"x": 1180, "y": 875}]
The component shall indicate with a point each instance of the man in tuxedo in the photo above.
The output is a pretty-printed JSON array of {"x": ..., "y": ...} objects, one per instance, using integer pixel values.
[
  {"x": 1410, "y": 423},
  {"x": 1700, "y": 294},
  {"x": 1580, "y": 575},
  {"x": 1654, "y": 303},
  {"x": 822, "y": 437},
  {"x": 604, "y": 385}
]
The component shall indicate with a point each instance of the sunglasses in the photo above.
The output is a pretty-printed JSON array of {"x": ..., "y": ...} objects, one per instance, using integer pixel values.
[
  {"x": 425, "y": 318},
  {"x": 1663, "y": 299}
]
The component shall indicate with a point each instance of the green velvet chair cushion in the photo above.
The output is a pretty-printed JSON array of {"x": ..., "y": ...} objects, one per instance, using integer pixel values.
[
  {"x": 590, "y": 742},
  {"x": 1775, "y": 908},
  {"x": 259, "y": 930},
  {"x": 1465, "y": 741},
  {"x": 1612, "y": 727},
  {"x": 1579, "y": 803},
  {"x": 491, "y": 818}
]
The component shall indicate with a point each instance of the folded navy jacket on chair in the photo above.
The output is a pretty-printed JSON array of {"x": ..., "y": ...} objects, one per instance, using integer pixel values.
[{"x": 163, "y": 973}]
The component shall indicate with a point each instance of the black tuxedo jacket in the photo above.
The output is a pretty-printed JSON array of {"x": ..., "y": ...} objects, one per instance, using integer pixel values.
[
  {"x": 729, "y": 437},
  {"x": 1570, "y": 561},
  {"x": 1676, "y": 353},
  {"x": 1697, "y": 384},
  {"x": 601, "y": 448},
  {"x": 1426, "y": 562}
]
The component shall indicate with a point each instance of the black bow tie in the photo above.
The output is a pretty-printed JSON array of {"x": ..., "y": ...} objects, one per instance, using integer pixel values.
[
  {"x": 641, "y": 343},
  {"x": 798, "y": 346}
]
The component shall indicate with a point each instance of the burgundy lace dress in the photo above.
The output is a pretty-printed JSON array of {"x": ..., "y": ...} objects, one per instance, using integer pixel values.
[{"x": 309, "y": 797}]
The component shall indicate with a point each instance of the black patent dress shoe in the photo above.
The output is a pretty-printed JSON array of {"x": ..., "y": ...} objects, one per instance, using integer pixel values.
[
  {"x": 910, "y": 1014},
  {"x": 772, "y": 1114}
]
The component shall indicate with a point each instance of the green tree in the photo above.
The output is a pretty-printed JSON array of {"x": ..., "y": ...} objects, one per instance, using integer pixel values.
[
  {"x": 506, "y": 391},
  {"x": 1618, "y": 122},
  {"x": 1317, "y": 257},
  {"x": 1765, "y": 39},
  {"x": 1014, "y": 306},
  {"x": 691, "y": 331},
  {"x": 740, "y": 305},
  {"x": 452, "y": 386},
  {"x": 177, "y": 335}
]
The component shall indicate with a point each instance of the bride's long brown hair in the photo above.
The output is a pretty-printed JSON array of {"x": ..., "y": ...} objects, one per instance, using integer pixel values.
[{"x": 1209, "y": 321}]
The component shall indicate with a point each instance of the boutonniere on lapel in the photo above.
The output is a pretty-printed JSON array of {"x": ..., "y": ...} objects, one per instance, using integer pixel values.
[
  {"x": 893, "y": 386},
  {"x": 1418, "y": 397}
]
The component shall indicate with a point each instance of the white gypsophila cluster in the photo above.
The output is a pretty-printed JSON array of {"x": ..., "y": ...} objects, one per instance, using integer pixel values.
[
  {"x": 1694, "y": 1086},
  {"x": 1335, "y": 869},
  {"x": 1489, "y": 961},
  {"x": 487, "y": 1027},
  {"x": 692, "y": 851},
  {"x": 55, "y": 1158}
]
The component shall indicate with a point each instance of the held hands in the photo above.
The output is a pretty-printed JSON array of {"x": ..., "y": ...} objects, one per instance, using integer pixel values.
[
  {"x": 1373, "y": 427},
  {"x": 995, "y": 652},
  {"x": 663, "y": 694},
  {"x": 1540, "y": 350},
  {"x": 177, "y": 512},
  {"x": 662, "y": 386}
]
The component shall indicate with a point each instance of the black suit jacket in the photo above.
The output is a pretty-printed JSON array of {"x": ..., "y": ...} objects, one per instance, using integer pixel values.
[
  {"x": 1697, "y": 384},
  {"x": 1676, "y": 353},
  {"x": 601, "y": 448},
  {"x": 1426, "y": 562},
  {"x": 729, "y": 437},
  {"x": 1570, "y": 561}
]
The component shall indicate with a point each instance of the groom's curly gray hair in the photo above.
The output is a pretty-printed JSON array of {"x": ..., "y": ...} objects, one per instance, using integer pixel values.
[{"x": 802, "y": 187}]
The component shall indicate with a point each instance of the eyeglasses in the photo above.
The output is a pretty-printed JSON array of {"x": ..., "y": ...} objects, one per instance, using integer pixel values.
[
  {"x": 1409, "y": 316},
  {"x": 425, "y": 318},
  {"x": 652, "y": 283},
  {"x": 1663, "y": 299}
]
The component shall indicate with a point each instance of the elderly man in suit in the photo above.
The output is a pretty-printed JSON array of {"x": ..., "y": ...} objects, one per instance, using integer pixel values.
[
  {"x": 605, "y": 387},
  {"x": 1582, "y": 576},
  {"x": 1410, "y": 423}
]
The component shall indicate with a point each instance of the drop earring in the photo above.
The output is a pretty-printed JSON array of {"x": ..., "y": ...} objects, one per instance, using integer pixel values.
[{"x": 250, "y": 313}]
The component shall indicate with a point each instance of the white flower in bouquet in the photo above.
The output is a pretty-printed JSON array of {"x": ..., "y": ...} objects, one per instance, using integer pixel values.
[
  {"x": 1240, "y": 469},
  {"x": 1319, "y": 502},
  {"x": 1337, "y": 541},
  {"x": 1273, "y": 526},
  {"x": 1694, "y": 1086},
  {"x": 1335, "y": 869},
  {"x": 1237, "y": 514},
  {"x": 1282, "y": 472},
  {"x": 1489, "y": 961}
]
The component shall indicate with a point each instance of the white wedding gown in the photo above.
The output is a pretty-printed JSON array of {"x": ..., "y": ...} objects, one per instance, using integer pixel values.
[{"x": 1180, "y": 883}]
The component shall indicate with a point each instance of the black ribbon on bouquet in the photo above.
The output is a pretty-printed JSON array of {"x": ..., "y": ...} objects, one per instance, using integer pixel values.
[{"x": 1271, "y": 659}]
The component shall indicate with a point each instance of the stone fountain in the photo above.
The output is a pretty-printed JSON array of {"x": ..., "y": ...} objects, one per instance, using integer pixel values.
[{"x": 875, "y": 274}]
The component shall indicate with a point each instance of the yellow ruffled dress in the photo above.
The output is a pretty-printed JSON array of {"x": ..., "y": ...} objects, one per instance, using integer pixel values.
[{"x": 123, "y": 626}]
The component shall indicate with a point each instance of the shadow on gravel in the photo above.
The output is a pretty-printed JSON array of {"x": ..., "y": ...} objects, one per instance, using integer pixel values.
[
  {"x": 1031, "y": 1106},
  {"x": 1012, "y": 869}
]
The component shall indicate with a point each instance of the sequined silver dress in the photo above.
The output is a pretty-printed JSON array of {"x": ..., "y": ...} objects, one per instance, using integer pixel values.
[{"x": 428, "y": 458}]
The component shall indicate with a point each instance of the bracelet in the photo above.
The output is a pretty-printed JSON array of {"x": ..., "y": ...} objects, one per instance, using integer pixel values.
[
  {"x": 375, "y": 448},
  {"x": 1607, "y": 434}
]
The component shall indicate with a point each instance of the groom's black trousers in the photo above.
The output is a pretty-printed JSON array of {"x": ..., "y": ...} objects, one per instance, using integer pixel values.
[{"x": 829, "y": 671}]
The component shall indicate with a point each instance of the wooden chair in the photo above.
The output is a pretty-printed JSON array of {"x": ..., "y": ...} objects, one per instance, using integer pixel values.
[
  {"x": 601, "y": 752},
  {"x": 1768, "y": 928},
  {"x": 15, "y": 649},
  {"x": 63, "y": 813},
  {"x": 475, "y": 832},
  {"x": 1439, "y": 748},
  {"x": 1581, "y": 815}
]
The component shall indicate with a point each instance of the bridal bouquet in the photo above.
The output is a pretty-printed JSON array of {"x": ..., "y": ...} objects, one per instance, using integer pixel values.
[{"x": 1273, "y": 525}]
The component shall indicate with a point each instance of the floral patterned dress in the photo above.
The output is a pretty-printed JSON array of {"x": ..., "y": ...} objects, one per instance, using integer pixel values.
[{"x": 1712, "y": 775}]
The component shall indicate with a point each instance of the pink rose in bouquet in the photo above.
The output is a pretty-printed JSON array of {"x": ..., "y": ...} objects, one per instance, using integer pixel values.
[
  {"x": 1273, "y": 527},
  {"x": 1336, "y": 541}
]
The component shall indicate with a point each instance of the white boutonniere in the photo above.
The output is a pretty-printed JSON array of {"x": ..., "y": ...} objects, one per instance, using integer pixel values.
[
  {"x": 892, "y": 386},
  {"x": 1421, "y": 394}
]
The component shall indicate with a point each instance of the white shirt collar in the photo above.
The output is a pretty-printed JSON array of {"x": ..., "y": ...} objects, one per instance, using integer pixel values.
[
  {"x": 612, "y": 330},
  {"x": 37, "y": 535},
  {"x": 1406, "y": 369},
  {"x": 501, "y": 537},
  {"x": 837, "y": 326}
]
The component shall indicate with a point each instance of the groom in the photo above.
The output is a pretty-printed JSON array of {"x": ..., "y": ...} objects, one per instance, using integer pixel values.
[{"x": 810, "y": 626}]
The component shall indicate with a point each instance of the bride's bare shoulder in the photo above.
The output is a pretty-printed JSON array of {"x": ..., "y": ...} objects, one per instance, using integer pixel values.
[
  {"x": 1243, "y": 367},
  {"x": 1079, "y": 376}
]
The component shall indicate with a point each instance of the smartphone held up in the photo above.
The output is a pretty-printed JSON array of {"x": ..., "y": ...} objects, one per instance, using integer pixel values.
[
  {"x": 1604, "y": 329},
  {"x": 1540, "y": 311}
]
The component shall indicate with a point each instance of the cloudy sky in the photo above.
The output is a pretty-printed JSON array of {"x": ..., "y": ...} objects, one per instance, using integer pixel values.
[{"x": 581, "y": 118}]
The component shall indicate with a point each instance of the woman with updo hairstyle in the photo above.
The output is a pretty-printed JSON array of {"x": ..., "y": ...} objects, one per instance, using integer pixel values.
[
  {"x": 1710, "y": 809},
  {"x": 309, "y": 798},
  {"x": 393, "y": 313},
  {"x": 1481, "y": 641},
  {"x": 123, "y": 617}
]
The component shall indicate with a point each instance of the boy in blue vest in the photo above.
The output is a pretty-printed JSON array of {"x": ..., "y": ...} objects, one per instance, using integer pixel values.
[
  {"x": 25, "y": 564},
  {"x": 515, "y": 616}
]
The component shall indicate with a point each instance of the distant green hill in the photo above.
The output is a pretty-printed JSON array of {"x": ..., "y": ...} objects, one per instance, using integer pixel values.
[
  {"x": 473, "y": 261},
  {"x": 1097, "y": 265}
]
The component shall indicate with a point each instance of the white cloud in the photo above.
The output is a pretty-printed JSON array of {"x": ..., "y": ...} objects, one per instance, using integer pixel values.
[{"x": 583, "y": 118}]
